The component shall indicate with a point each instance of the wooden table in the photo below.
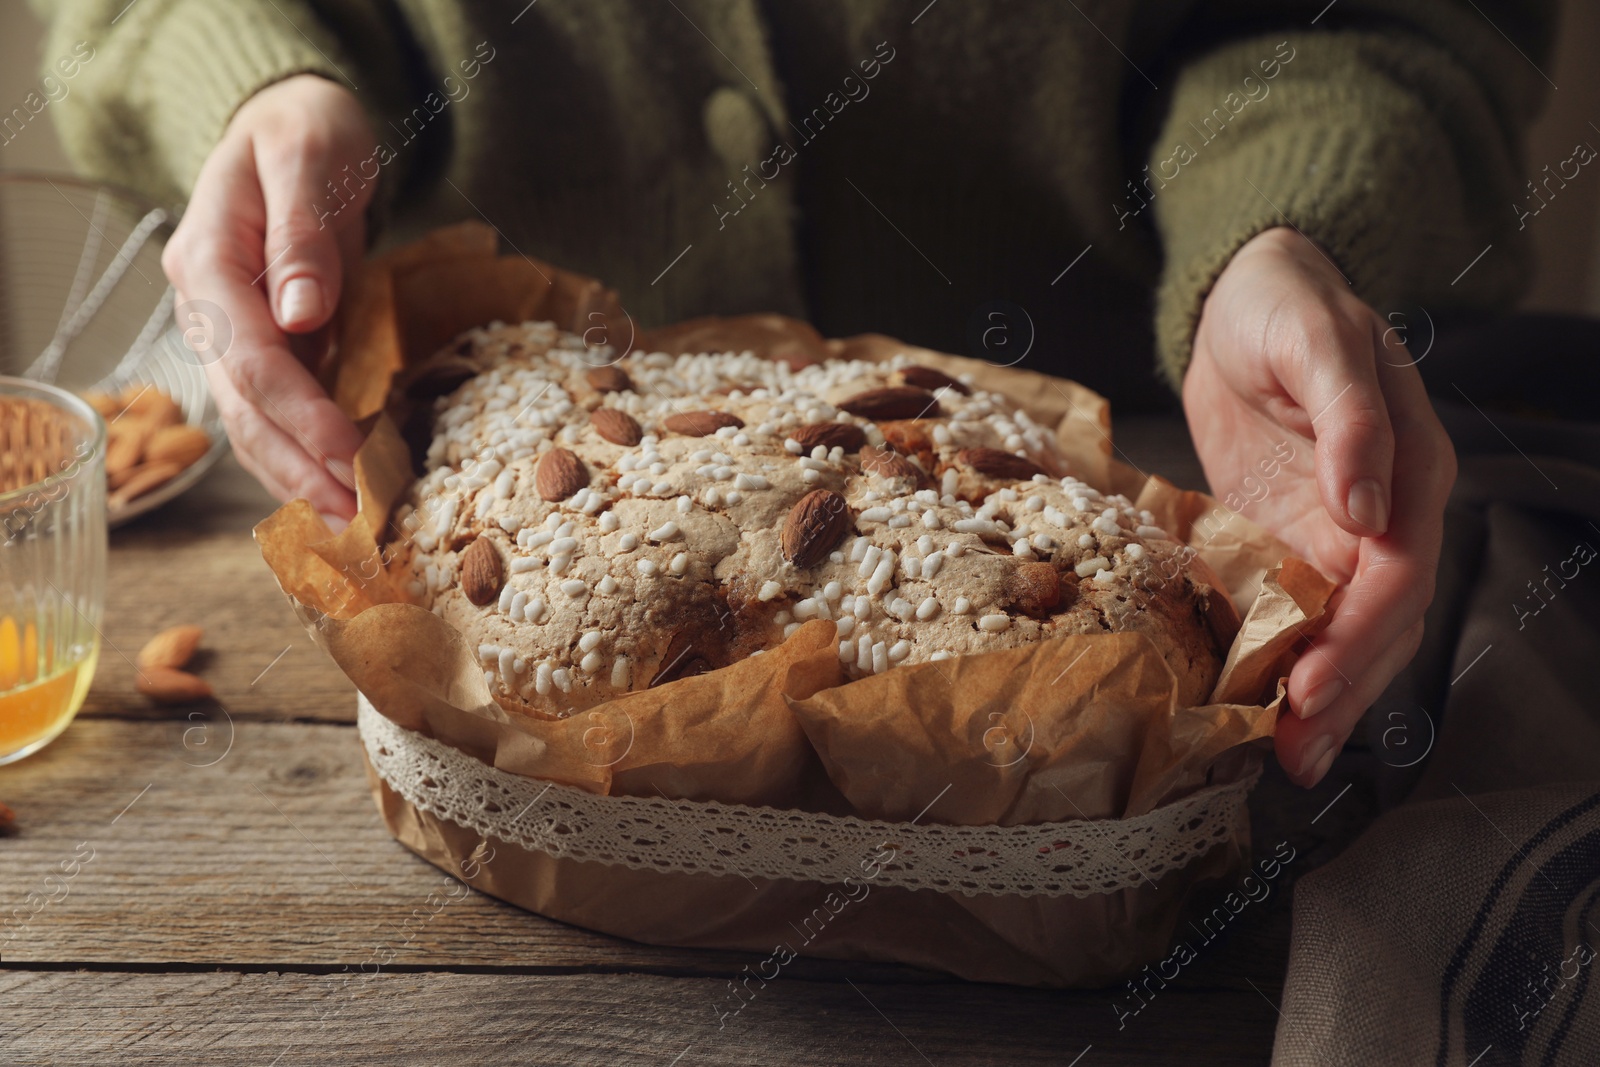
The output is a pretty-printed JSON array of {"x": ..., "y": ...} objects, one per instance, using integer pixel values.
[{"x": 235, "y": 889}]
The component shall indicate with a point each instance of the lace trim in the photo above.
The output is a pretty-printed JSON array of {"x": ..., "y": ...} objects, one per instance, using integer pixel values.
[{"x": 1077, "y": 859}]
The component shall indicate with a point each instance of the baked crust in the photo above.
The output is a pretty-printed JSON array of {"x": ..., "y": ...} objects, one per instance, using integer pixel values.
[{"x": 965, "y": 531}]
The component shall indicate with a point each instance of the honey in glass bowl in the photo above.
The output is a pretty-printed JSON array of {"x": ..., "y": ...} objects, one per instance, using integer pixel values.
[{"x": 52, "y": 560}]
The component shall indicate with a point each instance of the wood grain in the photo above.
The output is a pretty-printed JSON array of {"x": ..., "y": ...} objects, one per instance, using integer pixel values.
[
  {"x": 454, "y": 1020},
  {"x": 274, "y": 855},
  {"x": 194, "y": 561}
]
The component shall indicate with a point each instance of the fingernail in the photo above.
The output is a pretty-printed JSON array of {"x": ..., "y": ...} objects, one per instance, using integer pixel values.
[
  {"x": 1321, "y": 769},
  {"x": 1318, "y": 754},
  {"x": 344, "y": 472},
  {"x": 1320, "y": 697},
  {"x": 335, "y": 523},
  {"x": 1367, "y": 506},
  {"x": 299, "y": 302}
]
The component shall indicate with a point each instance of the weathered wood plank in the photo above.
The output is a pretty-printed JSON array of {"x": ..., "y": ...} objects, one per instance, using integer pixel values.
[
  {"x": 287, "y": 1020},
  {"x": 194, "y": 561},
  {"x": 275, "y": 856},
  {"x": 224, "y": 587}
]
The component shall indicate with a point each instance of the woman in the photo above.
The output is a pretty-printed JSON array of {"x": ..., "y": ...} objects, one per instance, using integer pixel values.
[{"x": 1249, "y": 189}]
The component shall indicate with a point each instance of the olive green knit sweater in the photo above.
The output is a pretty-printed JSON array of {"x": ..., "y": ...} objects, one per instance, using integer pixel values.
[{"x": 1060, "y": 181}]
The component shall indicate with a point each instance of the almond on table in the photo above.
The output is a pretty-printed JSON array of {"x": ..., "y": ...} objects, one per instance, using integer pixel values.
[
  {"x": 173, "y": 647},
  {"x": 164, "y": 685},
  {"x": 159, "y": 667}
]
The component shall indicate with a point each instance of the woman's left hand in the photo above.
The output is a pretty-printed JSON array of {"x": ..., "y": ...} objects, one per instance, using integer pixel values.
[{"x": 1294, "y": 375}]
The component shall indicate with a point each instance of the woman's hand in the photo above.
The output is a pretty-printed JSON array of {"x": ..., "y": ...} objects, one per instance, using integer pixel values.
[
  {"x": 1289, "y": 362},
  {"x": 264, "y": 239}
]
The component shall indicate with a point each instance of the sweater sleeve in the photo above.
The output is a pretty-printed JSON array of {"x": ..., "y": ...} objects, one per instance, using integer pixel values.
[
  {"x": 157, "y": 81},
  {"x": 1392, "y": 143}
]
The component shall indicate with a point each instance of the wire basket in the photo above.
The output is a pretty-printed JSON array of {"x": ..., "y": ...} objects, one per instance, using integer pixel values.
[{"x": 85, "y": 305}]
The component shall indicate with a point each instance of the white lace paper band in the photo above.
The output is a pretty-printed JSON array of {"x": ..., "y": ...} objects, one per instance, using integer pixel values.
[{"x": 1077, "y": 859}]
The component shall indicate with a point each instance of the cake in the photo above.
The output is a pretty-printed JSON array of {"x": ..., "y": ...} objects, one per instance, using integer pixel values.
[{"x": 596, "y": 524}]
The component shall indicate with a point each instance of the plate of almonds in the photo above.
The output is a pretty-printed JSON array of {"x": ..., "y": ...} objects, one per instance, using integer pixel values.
[{"x": 162, "y": 432}]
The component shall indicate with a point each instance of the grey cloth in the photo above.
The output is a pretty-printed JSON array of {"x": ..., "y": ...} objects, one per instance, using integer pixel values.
[{"x": 1463, "y": 926}]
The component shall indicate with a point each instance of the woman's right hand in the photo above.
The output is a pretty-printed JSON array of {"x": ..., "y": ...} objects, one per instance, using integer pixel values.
[{"x": 264, "y": 241}]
